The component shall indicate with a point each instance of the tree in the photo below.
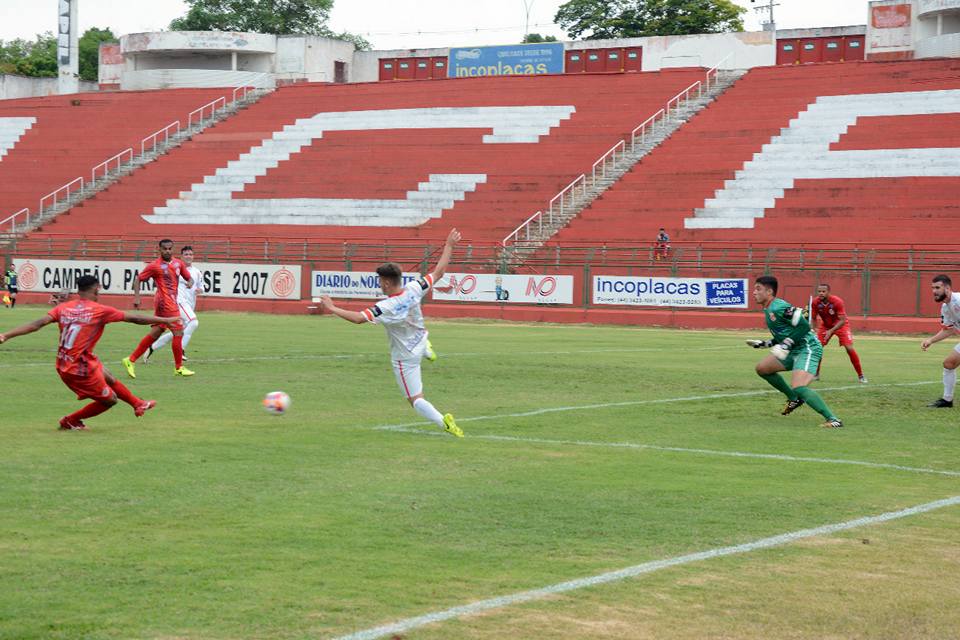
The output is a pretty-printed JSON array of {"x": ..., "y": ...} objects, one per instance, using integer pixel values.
[
  {"x": 595, "y": 19},
  {"x": 534, "y": 38},
  {"x": 37, "y": 59},
  {"x": 90, "y": 52},
  {"x": 277, "y": 17}
]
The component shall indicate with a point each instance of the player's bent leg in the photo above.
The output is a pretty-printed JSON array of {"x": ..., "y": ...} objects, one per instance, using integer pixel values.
[
  {"x": 950, "y": 364},
  {"x": 769, "y": 369},
  {"x": 188, "y": 332}
]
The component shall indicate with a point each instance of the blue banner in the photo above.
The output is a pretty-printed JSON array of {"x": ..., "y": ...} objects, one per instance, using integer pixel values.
[{"x": 512, "y": 60}]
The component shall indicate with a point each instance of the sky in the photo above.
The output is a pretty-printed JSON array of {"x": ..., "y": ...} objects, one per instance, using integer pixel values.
[{"x": 396, "y": 24}]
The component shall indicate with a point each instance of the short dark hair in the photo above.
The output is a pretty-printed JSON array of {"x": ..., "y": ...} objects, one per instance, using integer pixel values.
[
  {"x": 186, "y": 247},
  {"x": 390, "y": 271},
  {"x": 85, "y": 283},
  {"x": 823, "y": 284},
  {"x": 768, "y": 281},
  {"x": 944, "y": 278},
  {"x": 165, "y": 241}
]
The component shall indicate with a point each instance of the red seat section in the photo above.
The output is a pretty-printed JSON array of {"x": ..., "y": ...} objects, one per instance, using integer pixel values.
[
  {"x": 369, "y": 165},
  {"x": 705, "y": 155},
  {"x": 71, "y": 134}
]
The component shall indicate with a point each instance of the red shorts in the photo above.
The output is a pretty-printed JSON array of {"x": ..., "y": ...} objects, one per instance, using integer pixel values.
[
  {"x": 168, "y": 311},
  {"x": 93, "y": 385},
  {"x": 844, "y": 335}
]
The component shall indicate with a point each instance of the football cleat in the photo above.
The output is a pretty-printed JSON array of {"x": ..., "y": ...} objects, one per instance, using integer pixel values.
[
  {"x": 431, "y": 355},
  {"x": 832, "y": 423},
  {"x": 143, "y": 407},
  {"x": 183, "y": 371},
  {"x": 146, "y": 357},
  {"x": 128, "y": 365},
  {"x": 450, "y": 426},
  {"x": 940, "y": 403},
  {"x": 72, "y": 425},
  {"x": 791, "y": 406},
  {"x": 863, "y": 379}
]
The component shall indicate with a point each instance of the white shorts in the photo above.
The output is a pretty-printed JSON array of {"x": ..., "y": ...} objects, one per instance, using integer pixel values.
[
  {"x": 187, "y": 314},
  {"x": 957, "y": 348},
  {"x": 407, "y": 373}
]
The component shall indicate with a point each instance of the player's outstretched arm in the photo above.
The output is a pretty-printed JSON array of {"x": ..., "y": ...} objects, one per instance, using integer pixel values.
[
  {"x": 36, "y": 325},
  {"x": 350, "y": 316},
  {"x": 136, "y": 318},
  {"x": 943, "y": 334},
  {"x": 452, "y": 239}
]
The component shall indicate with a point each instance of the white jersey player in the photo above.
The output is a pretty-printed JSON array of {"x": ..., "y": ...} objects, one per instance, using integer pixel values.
[
  {"x": 402, "y": 318},
  {"x": 187, "y": 302},
  {"x": 950, "y": 325}
]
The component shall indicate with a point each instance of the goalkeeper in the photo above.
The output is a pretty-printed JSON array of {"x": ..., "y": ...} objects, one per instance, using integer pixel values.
[{"x": 794, "y": 348}]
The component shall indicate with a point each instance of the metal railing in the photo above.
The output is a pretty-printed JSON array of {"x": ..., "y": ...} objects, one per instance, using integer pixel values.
[
  {"x": 148, "y": 144},
  {"x": 566, "y": 196},
  {"x": 525, "y": 226},
  {"x": 199, "y": 112},
  {"x": 13, "y": 219},
  {"x": 171, "y": 129},
  {"x": 105, "y": 165},
  {"x": 54, "y": 195},
  {"x": 609, "y": 158},
  {"x": 641, "y": 131}
]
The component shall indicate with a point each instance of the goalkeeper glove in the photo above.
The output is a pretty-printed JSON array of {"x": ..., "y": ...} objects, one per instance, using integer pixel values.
[
  {"x": 794, "y": 314},
  {"x": 760, "y": 344},
  {"x": 782, "y": 350}
]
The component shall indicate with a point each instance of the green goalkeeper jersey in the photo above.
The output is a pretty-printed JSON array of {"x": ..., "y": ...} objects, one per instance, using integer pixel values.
[{"x": 778, "y": 316}]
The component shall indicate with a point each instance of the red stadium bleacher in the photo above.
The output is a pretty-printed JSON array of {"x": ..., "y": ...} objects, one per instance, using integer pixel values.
[
  {"x": 373, "y": 166},
  {"x": 70, "y": 134},
  {"x": 704, "y": 156}
]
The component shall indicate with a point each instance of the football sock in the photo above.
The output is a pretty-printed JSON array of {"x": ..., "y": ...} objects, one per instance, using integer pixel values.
[
  {"x": 428, "y": 411},
  {"x": 177, "y": 351},
  {"x": 814, "y": 401},
  {"x": 777, "y": 382},
  {"x": 855, "y": 360},
  {"x": 125, "y": 394},
  {"x": 949, "y": 382},
  {"x": 13, "y": 302},
  {"x": 142, "y": 347},
  {"x": 89, "y": 411},
  {"x": 188, "y": 332},
  {"x": 162, "y": 341}
]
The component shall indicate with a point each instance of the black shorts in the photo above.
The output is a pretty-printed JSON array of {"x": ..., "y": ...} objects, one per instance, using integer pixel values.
[{"x": 12, "y": 291}]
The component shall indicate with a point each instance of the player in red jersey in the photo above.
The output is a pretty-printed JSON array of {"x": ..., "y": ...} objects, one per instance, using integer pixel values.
[
  {"x": 832, "y": 321},
  {"x": 81, "y": 325},
  {"x": 165, "y": 272}
]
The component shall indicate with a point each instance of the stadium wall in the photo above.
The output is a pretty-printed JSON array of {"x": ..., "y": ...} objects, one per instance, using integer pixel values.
[{"x": 13, "y": 86}]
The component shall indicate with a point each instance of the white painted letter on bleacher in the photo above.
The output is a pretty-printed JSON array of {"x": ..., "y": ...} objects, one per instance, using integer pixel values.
[
  {"x": 212, "y": 201},
  {"x": 11, "y": 130},
  {"x": 802, "y": 152}
]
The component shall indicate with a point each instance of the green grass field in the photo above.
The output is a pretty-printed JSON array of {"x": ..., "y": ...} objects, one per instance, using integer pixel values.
[{"x": 209, "y": 519}]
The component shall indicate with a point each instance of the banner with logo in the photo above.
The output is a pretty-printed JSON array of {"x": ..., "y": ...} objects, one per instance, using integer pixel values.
[
  {"x": 719, "y": 293},
  {"x": 513, "y": 60},
  {"x": 510, "y": 289},
  {"x": 266, "y": 281},
  {"x": 349, "y": 284}
]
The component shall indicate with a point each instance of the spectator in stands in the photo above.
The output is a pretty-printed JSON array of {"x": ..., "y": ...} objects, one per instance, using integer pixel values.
[{"x": 662, "y": 250}]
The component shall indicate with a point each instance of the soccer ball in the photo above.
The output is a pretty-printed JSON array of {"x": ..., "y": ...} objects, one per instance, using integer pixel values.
[{"x": 276, "y": 402}]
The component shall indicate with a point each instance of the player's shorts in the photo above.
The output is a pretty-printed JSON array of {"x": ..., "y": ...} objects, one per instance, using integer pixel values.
[
  {"x": 164, "y": 311},
  {"x": 187, "y": 314},
  {"x": 806, "y": 357},
  {"x": 844, "y": 335},
  {"x": 13, "y": 290},
  {"x": 93, "y": 385},
  {"x": 957, "y": 348},
  {"x": 407, "y": 373}
]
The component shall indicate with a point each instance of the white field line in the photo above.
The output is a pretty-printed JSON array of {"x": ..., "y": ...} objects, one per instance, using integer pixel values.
[
  {"x": 705, "y": 452},
  {"x": 636, "y": 403},
  {"x": 403, "y": 626}
]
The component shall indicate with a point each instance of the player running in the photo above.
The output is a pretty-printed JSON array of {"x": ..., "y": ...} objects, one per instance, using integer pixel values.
[
  {"x": 401, "y": 316},
  {"x": 10, "y": 281},
  {"x": 186, "y": 302},
  {"x": 166, "y": 272},
  {"x": 81, "y": 325},
  {"x": 828, "y": 309},
  {"x": 950, "y": 321},
  {"x": 794, "y": 348}
]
